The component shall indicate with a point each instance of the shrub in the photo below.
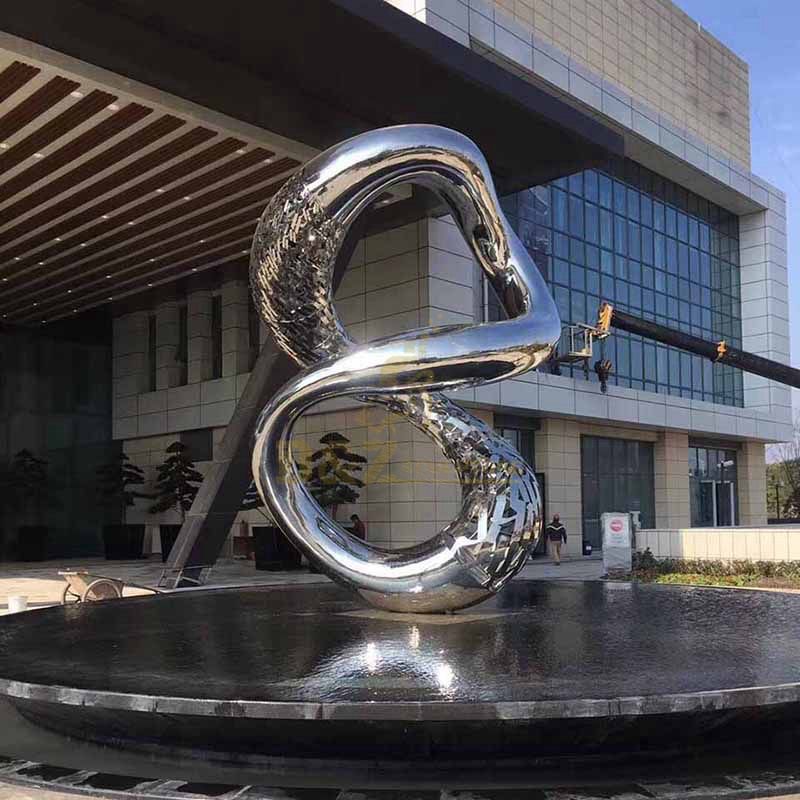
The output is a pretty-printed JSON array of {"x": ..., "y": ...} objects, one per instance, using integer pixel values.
[{"x": 647, "y": 567}]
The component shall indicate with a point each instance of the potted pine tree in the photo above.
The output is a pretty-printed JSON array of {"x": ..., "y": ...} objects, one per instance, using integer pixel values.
[
  {"x": 330, "y": 474},
  {"x": 176, "y": 486},
  {"x": 114, "y": 482},
  {"x": 30, "y": 492}
]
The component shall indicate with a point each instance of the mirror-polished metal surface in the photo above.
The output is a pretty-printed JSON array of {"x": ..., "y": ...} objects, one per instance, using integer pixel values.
[{"x": 294, "y": 251}]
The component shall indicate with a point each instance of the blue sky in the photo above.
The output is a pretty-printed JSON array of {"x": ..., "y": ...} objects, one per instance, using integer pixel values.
[{"x": 766, "y": 34}]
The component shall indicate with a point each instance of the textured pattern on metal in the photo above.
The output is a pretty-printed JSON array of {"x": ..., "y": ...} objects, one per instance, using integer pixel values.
[{"x": 294, "y": 252}]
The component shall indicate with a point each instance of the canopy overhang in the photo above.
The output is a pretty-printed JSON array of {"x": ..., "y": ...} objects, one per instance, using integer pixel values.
[{"x": 243, "y": 94}]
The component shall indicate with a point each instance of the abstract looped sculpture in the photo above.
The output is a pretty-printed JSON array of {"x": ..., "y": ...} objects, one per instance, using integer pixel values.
[{"x": 294, "y": 252}]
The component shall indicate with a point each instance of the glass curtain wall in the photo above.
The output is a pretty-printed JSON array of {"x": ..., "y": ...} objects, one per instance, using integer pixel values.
[
  {"x": 55, "y": 402},
  {"x": 650, "y": 247}
]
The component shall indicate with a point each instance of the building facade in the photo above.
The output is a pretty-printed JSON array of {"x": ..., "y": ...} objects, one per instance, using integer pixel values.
[{"x": 676, "y": 230}]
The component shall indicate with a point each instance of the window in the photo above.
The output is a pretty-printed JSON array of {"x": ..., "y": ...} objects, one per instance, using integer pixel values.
[
  {"x": 199, "y": 444},
  {"x": 626, "y": 235},
  {"x": 616, "y": 475},
  {"x": 216, "y": 336},
  {"x": 490, "y": 308},
  {"x": 522, "y": 441},
  {"x": 519, "y": 431}
]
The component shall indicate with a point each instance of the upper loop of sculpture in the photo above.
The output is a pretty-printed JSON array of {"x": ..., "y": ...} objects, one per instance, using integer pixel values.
[{"x": 294, "y": 252}]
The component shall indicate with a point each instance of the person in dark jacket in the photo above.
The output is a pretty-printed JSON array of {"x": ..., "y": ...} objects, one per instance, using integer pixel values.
[
  {"x": 358, "y": 528},
  {"x": 556, "y": 534}
]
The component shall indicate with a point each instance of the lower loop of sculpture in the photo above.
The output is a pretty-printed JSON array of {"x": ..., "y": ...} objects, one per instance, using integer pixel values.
[{"x": 294, "y": 251}]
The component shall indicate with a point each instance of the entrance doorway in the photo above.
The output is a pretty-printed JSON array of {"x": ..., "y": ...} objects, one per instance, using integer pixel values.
[
  {"x": 712, "y": 480},
  {"x": 717, "y": 504},
  {"x": 616, "y": 475},
  {"x": 519, "y": 431}
]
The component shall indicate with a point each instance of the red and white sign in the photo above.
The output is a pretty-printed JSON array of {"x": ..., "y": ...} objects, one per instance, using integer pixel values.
[{"x": 616, "y": 530}]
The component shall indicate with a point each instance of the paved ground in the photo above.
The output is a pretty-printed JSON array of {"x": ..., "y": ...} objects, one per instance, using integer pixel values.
[
  {"x": 23, "y": 793},
  {"x": 42, "y": 585}
]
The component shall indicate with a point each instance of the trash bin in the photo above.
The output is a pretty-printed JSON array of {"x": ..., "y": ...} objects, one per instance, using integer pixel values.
[
  {"x": 169, "y": 535},
  {"x": 273, "y": 551}
]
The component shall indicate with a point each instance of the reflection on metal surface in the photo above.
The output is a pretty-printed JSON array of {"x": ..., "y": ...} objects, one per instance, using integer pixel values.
[{"x": 294, "y": 252}]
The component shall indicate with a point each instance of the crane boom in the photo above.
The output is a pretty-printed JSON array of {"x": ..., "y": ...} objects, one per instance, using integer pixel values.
[{"x": 719, "y": 352}]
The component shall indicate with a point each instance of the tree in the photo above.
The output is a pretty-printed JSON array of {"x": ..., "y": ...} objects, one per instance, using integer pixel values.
[
  {"x": 177, "y": 482},
  {"x": 329, "y": 475},
  {"x": 115, "y": 479},
  {"x": 777, "y": 490},
  {"x": 29, "y": 483},
  {"x": 783, "y": 476}
]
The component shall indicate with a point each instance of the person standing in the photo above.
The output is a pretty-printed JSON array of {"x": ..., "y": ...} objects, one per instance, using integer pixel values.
[
  {"x": 359, "y": 528},
  {"x": 556, "y": 534}
]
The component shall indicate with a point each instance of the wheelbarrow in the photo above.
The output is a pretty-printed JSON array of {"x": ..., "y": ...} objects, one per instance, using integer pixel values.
[{"x": 86, "y": 587}]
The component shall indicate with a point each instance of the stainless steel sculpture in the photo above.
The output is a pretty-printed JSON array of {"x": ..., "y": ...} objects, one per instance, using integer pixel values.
[{"x": 294, "y": 251}]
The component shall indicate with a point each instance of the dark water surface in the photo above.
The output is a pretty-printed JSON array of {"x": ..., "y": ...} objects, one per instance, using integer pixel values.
[{"x": 535, "y": 641}]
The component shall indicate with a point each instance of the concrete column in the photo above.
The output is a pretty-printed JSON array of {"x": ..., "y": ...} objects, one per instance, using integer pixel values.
[
  {"x": 130, "y": 343},
  {"x": 391, "y": 301},
  {"x": 450, "y": 18},
  {"x": 350, "y": 298},
  {"x": 751, "y": 470},
  {"x": 671, "y": 474},
  {"x": 235, "y": 328},
  {"x": 447, "y": 272},
  {"x": 168, "y": 370},
  {"x": 558, "y": 455},
  {"x": 198, "y": 326},
  {"x": 130, "y": 371},
  {"x": 765, "y": 307}
]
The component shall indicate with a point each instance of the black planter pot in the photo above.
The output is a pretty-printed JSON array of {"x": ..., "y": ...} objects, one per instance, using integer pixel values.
[
  {"x": 273, "y": 551},
  {"x": 32, "y": 542},
  {"x": 169, "y": 533},
  {"x": 123, "y": 542}
]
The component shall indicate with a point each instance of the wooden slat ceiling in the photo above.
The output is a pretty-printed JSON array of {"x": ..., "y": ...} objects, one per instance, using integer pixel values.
[{"x": 104, "y": 195}]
